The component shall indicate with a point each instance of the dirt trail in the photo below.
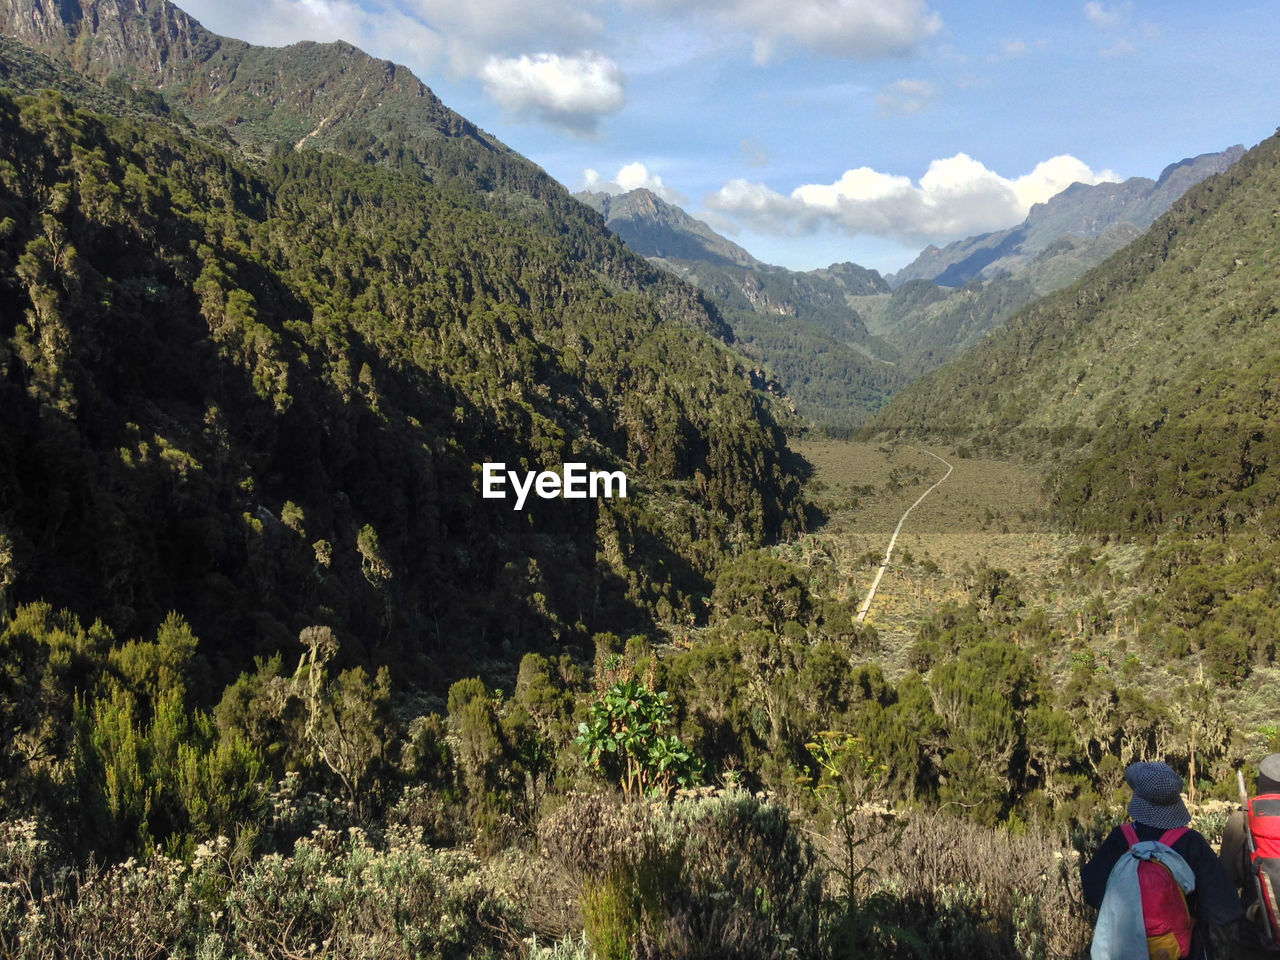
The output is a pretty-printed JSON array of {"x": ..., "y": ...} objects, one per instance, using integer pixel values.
[{"x": 884, "y": 565}]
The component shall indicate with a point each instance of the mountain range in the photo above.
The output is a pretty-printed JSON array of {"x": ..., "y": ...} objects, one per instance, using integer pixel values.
[
  {"x": 1150, "y": 381},
  {"x": 798, "y": 326},
  {"x": 261, "y": 327},
  {"x": 1113, "y": 213},
  {"x": 842, "y": 340}
]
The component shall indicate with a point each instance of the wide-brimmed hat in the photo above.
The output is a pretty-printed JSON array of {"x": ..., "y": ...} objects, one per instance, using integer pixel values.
[
  {"x": 1157, "y": 795},
  {"x": 1269, "y": 774}
]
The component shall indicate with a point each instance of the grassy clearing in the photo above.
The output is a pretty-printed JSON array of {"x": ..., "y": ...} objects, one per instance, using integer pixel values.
[
  {"x": 988, "y": 512},
  {"x": 992, "y": 513}
]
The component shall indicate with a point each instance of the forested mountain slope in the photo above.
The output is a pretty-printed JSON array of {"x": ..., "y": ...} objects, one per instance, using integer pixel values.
[
  {"x": 798, "y": 325},
  {"x": 261, "y": 396},
  {"x": 947, "y": 299},
  {"x": 1152, "y": 379}
]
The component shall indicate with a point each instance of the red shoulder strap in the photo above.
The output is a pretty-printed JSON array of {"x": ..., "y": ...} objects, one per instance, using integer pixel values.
[{"x": 1168, "y": 838}]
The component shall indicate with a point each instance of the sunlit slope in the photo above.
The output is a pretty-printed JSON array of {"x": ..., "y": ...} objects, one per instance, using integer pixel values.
[{"x": 1152, "y": 379}]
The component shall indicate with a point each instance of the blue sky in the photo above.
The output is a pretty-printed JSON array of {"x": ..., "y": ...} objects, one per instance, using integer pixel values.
[{"x": 817, "y": 131}]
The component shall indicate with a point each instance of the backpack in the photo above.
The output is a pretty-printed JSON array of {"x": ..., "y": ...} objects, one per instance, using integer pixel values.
[
  {"x": 1264, "y": 826},
  {"x": 1165, "y": 913}
]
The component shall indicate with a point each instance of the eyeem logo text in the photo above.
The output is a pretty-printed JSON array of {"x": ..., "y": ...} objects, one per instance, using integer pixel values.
[{"x": 576, "y": 483}]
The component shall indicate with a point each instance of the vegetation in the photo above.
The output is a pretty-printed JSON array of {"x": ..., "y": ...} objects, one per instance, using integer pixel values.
[
  {"x": 262, "y": 397},
  {"x": 799, "y": 327},
  {"x": 276, "y": 681},
  {"x": 1147, "y": 380}
]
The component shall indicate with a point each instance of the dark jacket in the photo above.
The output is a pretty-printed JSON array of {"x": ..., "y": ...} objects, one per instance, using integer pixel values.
[{"x": 1214, "y": 902}]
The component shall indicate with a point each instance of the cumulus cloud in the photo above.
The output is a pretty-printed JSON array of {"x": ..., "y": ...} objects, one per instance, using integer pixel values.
[
  {"x": 859, "y": 29},
  {"x": 487, "y": 40},
  {"x": 956, "y": 197},
  {"x": 569, "y": 91},
  {"x": 630, "y": 177},
  {"x": 905, "y": 97}
]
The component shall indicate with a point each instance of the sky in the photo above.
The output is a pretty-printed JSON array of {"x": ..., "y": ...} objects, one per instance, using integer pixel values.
[{"x": 820, "y": 131}]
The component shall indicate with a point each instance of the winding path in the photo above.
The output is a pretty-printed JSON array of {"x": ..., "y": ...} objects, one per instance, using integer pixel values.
[{"x": 866, "y": 604}]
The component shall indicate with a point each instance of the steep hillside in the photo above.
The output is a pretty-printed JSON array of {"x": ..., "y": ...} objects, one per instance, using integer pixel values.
[
  {"x": 326, "y": 96},
  {"x": 1151, "y": 378},
  {"x": 261, "y": 396},
  {"x": 929, "y": 324},
  {"x": 798, "y": 326}
]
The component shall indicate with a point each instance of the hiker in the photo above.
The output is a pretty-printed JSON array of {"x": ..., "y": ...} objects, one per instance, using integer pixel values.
[
  {"x": 1200, "y": 921},
  {"x": 1257, "y": 933}
]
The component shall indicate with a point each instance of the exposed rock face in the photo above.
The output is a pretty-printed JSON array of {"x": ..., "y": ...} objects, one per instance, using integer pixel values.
[
  {"x": 1081, "y": 210},
  {"x": 156, "y": 40}
]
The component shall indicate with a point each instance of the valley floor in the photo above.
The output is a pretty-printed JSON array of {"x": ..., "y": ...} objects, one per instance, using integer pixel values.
[{"x": 988, "y": 513}]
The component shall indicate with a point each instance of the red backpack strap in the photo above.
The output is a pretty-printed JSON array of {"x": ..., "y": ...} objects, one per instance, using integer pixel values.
[
  {"x": 1170, "y": 837},
  {"x": 1130, "y": 834}
]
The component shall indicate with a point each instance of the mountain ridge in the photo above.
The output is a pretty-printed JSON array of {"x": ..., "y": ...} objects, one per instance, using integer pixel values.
[
  {"x": 1081, "y": 210},
  {"x": 219, "y": 375},
  {"x": 1148, "y": 378},
  {"x": 801, "y": 326}
]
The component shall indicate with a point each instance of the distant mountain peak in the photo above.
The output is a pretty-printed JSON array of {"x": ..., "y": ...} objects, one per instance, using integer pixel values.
[
  {"x": 1220, "y": 160},
  {"x": 652, "y": 227},
  {"x": 1081, "y": 210}
]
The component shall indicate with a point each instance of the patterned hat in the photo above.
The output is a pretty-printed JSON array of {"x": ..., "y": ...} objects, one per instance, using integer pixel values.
[{"x": 1157, "y": 796}]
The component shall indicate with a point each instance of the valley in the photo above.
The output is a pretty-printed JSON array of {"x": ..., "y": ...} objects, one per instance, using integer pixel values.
[
  {"x": 989, "y": 513},
  {"x": 403, "y": 557}
]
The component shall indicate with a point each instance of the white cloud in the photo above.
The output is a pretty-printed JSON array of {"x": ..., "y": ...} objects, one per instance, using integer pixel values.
[
  {"x": 1104, "y": 17},
  {"x": 905, "y": 97},
  {"x": 273, "y": 23},
  {"x": 1050, "y": 177},
  {"x": 568, "y": 91},
  {"x": 858, "y": 29},
  {"x": 956, "y": 197},
  {"x": 630, "y": 177},
  {"x": 486, "y": 39}
]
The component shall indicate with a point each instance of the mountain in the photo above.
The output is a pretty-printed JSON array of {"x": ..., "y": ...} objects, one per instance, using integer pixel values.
[
  {"x": 979, "y": 283},
  {"x": 652, "y": 227},
  {"x": 798, "y": 326},
  {"x": 1151, "y": 380},
  {"x": 252, "y": 372},
  {"x": 1080, "y": 212}
]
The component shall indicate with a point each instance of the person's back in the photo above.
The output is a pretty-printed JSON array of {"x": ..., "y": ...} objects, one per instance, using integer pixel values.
[
  {"x": 1257, "y": 939},
  {"x": 1156, "y": 809}
]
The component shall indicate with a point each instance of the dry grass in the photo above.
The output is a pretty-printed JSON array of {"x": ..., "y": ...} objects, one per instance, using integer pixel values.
[{"x": 988, "y": 512}]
